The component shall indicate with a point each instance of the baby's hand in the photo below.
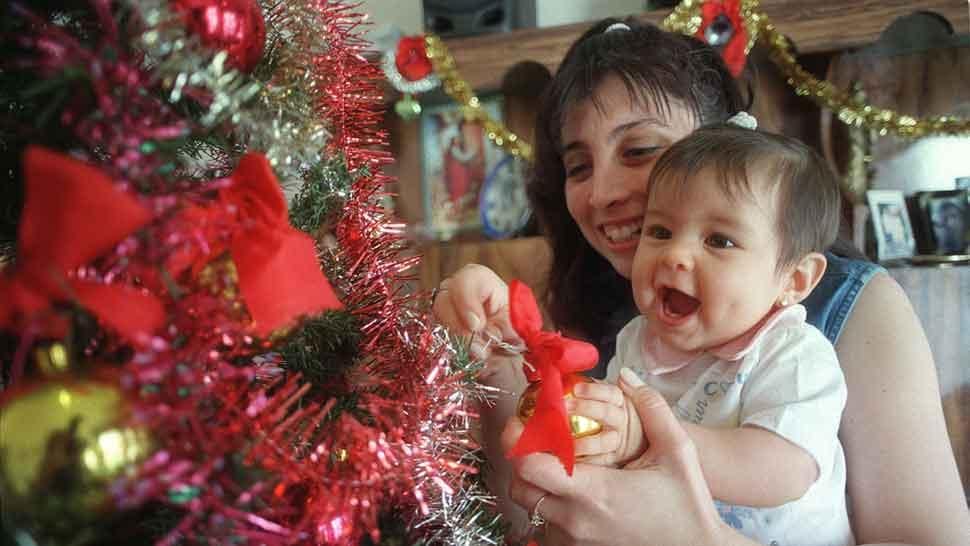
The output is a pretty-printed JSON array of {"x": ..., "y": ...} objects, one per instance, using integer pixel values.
[{"x": 621, "y": 439}]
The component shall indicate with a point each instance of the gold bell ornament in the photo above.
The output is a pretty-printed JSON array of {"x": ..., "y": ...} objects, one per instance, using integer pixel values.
[
  {"x": 579, "y": 426},
  {"x": 62, "y": 444}
]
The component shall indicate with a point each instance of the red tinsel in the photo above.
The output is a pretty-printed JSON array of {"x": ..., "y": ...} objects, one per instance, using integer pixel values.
[{"x": 215, "y": 403}]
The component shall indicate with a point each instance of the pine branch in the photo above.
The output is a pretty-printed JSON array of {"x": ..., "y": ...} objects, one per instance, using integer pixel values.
[
  {"x": 322, "y": 196},
  {"x": 324, "y": 347}
]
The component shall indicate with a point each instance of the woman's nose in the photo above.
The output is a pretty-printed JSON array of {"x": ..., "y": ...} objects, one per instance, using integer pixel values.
[{"x": 609, "y": 188}]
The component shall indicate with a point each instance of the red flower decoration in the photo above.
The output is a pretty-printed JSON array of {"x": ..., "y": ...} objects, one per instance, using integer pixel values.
[
  {"x": 412, "y": 60},
  {"x": 733, "y": 50},
  {"x": 72, "y": 214},
  {"x": 279, "y": 275},
  {"x": 551, "y": 356}
]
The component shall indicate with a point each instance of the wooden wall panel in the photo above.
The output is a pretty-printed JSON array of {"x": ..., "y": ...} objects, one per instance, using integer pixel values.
[{"x": 814, "y": 26}]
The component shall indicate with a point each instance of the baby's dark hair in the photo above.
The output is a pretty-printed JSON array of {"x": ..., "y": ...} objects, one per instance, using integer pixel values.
[{"x": 809, "y": 200}]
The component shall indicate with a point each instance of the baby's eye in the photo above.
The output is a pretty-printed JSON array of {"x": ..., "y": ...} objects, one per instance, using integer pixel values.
[
  {"x": 720, "y": 241},
  {"x": 656, "y": 232}
]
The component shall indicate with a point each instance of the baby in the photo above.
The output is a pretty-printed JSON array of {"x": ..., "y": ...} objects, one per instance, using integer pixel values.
[{"x": 735, "y": 225}]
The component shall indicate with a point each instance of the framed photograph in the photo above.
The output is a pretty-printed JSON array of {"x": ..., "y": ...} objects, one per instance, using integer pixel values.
[
  {"x": 457, "y": 156},
  {"x": 892, "y": 228},
  {"x": 945, "y": 218}
]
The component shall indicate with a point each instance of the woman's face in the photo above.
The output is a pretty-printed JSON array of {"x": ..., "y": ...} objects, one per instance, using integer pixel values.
[{"x": 607, "y": 156}]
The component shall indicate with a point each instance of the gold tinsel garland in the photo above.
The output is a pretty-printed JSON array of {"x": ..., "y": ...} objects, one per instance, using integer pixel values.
[
  {"x": 851, "y": 109},
  {"x": 459, "y": 90},
  {"x": 686, "y": 19}
]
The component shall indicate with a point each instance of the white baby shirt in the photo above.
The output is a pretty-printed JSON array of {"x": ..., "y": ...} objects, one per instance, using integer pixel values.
[{"x": 788, "y": 382}]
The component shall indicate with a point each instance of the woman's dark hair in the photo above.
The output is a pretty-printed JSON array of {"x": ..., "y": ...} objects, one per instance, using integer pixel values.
[{"x": 658, "y": 68}]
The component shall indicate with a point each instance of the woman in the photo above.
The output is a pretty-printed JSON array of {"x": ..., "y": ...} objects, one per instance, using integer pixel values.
[{"x": 621, "y": 95}]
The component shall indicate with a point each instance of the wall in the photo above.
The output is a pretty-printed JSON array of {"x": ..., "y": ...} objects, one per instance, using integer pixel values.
[
  {"x": 391, "y": 18},
  {"x": 407, "y": 15},
  {"x": 556, "y": 12}
]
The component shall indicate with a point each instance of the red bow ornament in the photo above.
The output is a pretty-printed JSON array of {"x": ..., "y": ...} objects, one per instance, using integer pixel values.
[
  {"x": 72, "y": 214},
  {"x": 552, "y": 358},
  {"x": 723, "y": 28},
  {"x": 276, "y": 264}
]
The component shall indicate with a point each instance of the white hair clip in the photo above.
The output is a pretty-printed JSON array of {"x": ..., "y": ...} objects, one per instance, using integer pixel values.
[
  {"x": 617, "y": 26},
  {"x": 743, "y": 120}
]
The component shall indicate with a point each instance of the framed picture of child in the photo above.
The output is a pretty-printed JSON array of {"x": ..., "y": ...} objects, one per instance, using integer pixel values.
[
  {"x": 945, "y": 216},
  {"x": 457, "y": 156},
  {"x": 891, "y": 225}
]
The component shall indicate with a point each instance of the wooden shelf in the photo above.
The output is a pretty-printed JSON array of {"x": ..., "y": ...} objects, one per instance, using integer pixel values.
[{"x": 814, "y": 26}]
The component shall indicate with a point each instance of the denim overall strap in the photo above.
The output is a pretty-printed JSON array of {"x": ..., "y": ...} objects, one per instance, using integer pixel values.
[{"x": 832, "y": 300}]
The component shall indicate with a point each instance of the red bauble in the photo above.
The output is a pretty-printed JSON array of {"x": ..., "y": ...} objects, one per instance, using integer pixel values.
[
  {"x": 412, "y": 58},
  {"x": 236, "y": 26}
]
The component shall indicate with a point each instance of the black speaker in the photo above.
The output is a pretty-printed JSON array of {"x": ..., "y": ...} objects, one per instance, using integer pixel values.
[{"x": 450, "y": 18}]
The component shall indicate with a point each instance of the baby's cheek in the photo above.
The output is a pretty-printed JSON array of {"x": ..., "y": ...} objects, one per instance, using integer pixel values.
[{"x": 644, "y": 297}]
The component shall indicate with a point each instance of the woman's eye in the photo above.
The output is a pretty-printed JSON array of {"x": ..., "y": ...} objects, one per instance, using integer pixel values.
[
  {"x": 657, "y": 232},
  {"x": 641, "y": 152},
  {"x": 575, "y": 171},
  {"x": 720, "y": 241}
]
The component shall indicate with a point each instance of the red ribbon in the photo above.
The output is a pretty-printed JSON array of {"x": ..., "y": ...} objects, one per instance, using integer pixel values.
[
  {"x": 72, "y": 214},
  {"x": 276, "y": 264},
  {"x": 733, "y": 51},
  {"x": 553, "y": 357}
]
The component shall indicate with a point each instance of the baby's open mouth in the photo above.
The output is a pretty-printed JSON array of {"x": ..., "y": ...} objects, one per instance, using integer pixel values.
[{"x": 677, "y": 304}]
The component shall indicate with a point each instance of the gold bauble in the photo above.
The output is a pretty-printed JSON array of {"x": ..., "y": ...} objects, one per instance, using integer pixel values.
[
  {"x": 580, "y": 426},
  {"x": 62, "y": 443},
  {"x": 221, "y": 278},
  {"x": 53, "y": 359}
]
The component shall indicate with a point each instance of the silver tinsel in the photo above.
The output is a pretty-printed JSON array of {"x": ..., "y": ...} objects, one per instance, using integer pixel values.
[
  {"x": 466, "y": 516},
  {"x": 276, "y": 117}
]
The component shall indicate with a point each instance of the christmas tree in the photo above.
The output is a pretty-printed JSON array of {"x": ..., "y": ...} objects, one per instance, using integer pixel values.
[{"x": 207, "y": 329}]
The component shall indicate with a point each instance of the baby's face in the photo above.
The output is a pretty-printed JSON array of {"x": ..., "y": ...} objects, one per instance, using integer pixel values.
[{"x": 705, "y": 267}]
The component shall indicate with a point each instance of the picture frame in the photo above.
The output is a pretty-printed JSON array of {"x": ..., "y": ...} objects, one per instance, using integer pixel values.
[
  {"x": 945, "y": 220},
  {"x": 457, "y": 155},
  {"x": 891, "y": 224}
]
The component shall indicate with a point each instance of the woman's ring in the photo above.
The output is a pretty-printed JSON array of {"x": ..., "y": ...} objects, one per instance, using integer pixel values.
[
  {"x": 437, "y": 290},
  {"x": 535, "y": 518}
]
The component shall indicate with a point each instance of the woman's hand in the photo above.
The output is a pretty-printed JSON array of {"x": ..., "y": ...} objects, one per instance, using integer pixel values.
[{"x": 658, "y": 499}]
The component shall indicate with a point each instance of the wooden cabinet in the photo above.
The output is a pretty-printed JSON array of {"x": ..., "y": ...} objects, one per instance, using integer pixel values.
[
  {"x": 818, "y": 30},
  {"x": 941, "y": 298},
  {"x": 525, "y": 258},
  {"x": 817, "y": 26}
]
